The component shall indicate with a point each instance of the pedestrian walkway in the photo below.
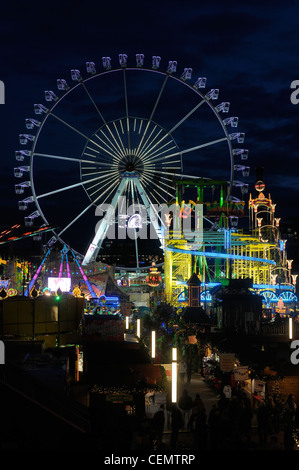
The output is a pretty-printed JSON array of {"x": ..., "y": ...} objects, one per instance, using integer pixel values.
[{"x": 210, "y": 397}]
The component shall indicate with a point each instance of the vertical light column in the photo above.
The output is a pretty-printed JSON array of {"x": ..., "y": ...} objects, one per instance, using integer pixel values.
[
  {"x": 127, "y": 322},
  {"x": 290, "y": 328},
  {"x": 138, "y": 329},
  {"x": 174, "y": 376},
  {"x": 153, "y": 344}
]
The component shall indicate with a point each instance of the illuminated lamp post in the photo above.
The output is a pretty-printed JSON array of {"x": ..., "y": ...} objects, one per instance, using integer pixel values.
[
  {"x": 153, "y": 344},
  {"x": 138, "y": 328},
  {"x": 290, "y": 328},
  {"x": 174, "y": 376}
]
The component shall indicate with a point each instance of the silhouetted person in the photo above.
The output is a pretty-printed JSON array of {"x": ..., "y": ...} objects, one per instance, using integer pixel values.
[
  {"x": 176, "y": 425},
  {"x": 185, "y": 404},
  {"x": 158, "y": 423},
  {"x": 263, "y": 419}
]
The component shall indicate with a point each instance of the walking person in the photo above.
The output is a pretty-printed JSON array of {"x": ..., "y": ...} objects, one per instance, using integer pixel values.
[
  {"x": 185, "y": 404},
  {"x": 158, "y": 423},
  {"x": 199, "y": 429},
  {"x": 182, "y": 370},
  {"x": 176, "y": 425}
]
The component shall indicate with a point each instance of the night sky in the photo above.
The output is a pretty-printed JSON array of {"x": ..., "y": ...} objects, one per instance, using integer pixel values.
[{"x": 248, "y": 49}]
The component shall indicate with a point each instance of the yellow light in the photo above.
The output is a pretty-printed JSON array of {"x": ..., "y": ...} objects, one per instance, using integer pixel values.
[
  {"x": 153, "y": 344},
  {"x": 174, "y": 380},
  {"x": 138, "y": 328},
  {"x": 127, "y": 323},
  {"x": 290, "y": 328}
]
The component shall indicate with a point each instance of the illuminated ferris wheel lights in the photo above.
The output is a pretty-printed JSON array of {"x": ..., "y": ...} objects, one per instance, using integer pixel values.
[
  {"x": 233, "y": 121},
  {"x": 156, "y": 62},
  {"x": 20, "y": 154},
  {"x": 244, "y": 188},
  {"x": 212, "y": 94},
  {"x": 139, "y": 60},
  {"x": 76, "y": 75},
  {"x": 28, "y": 222},
  {"x": 40, "y": 109},
  {"x": 224, "y": 107},
  {"x": 200, "y": 83},
  {"x": 18, "y": 171},
  {"x": 62, "y": 85},
  {"x": 22, "y": 206},
  {"x": 24, "y": 138},
  {"x": 122, "y": 60},
  {"x": 106, "y": 61},
  {"x": 19, "y": 188},
  {"x": 90, "y": 68},
  {"x": 187, "y": 74},
  {"x": 240, "y": 136},
  {"x": 172, "y": 65},
  {"x": 50, "y": 96},
  {"x": 31, "y": 123},
  {"x": 241, "y": 152},
  {"x": 245, "y": 169}
]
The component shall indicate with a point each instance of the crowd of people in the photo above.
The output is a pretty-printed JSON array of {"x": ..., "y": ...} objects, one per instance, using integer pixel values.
[{"x": 229, "y": 423}]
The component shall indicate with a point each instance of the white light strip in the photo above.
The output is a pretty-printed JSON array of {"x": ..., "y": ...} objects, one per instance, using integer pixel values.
[
  {"x": 153, "y": 344},
  {"x": 290, "y": 328}
]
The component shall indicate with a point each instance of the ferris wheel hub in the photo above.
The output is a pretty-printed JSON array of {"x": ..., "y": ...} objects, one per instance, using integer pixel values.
[{"x": 131, "y": 163}]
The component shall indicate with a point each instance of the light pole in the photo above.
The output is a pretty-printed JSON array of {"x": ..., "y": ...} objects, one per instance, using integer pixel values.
[{"x": 174, "y": 376}]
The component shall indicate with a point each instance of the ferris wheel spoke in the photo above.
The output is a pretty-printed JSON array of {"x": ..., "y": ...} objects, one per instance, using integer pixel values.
[
  {"x": 117, "y": 147},
  {"x": 110, "y": 182},
  {"x": 81, "y": 213},
  {"x": 80, "y": 133},
  {"x": 152, "y": 113},
  {"x": 120, "y": 139},
  {"x": 65, "y": 188},
  {"x": 191, "y": 149},
  {"x": 127, "y": 110},
  {"x": 150, "y": 181},
  {"x": 145, "y": 146},
  {"x": 103, "y": 175},
  {"x": 60, "y": 157},
  {"x": 161, "y": 183},
  {"x": 151, "y": 157},
  {"x": 110, "y": 146},
  {"x": 93, "y": 102},
  {"x": 151, "y": 152},
  {"x": 75, "y": 219},
  {"x": 186, "y": 116}
]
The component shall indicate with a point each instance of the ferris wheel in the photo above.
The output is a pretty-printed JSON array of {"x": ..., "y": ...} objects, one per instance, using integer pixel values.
[{"x": 119, "y": 136}]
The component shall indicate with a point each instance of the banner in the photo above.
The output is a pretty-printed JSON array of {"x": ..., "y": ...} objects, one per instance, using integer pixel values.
[
  {"x": 241, "y": 373},
  {"x": 227, "y": 362}
]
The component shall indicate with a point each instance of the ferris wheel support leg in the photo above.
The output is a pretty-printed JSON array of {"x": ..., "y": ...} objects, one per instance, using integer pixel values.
[
  {"x": 32, "y": 282},
  {"x": 88, "y": 284},
  {"x": 101, "y": 232},
  {"x": 151, "y": 212}
]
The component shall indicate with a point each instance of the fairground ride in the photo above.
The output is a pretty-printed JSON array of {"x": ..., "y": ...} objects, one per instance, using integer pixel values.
[
  {"x": 118, "y": 137},
  {"x": 229, "y": 252}
]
